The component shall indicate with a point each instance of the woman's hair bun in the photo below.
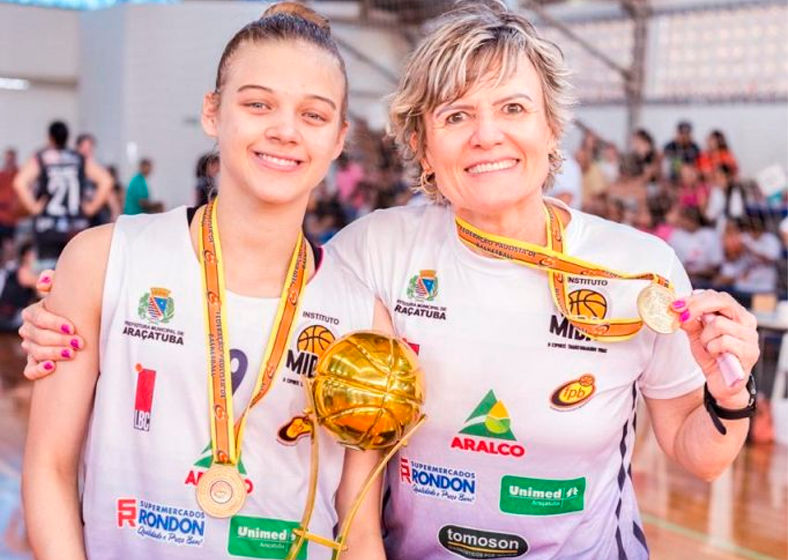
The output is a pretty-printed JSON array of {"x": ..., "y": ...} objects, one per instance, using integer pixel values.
[{"x": 298, "y": 10}]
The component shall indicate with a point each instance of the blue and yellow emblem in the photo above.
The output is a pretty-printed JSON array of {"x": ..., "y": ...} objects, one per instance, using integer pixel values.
[
  {"x": 424, "y": 286},
  {"x": 156, "y": 306}
]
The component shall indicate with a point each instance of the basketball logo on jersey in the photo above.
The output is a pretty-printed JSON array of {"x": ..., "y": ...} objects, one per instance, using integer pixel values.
[
  {"x": 156, "y": 306},
  {"x": 573, "y": 394},
  {"x": 588, "y": 304},
  {"x": 310, "y": 345},
  {"x": 490, "y": 419},
  {"x": 143, "y": 399},
  {"x": 423, "y": 286}
]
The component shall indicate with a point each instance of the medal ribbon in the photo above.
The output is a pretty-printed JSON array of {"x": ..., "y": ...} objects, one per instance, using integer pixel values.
[
  {"x": 226, "y": 437},
  {"x": 552, "y": 260}
]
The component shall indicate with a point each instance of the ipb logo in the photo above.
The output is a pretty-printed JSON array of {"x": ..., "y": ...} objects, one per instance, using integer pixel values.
[
  {"x": 474, "y": 543},
  {"x": 156, "y": 306},
  {"x": 536, "y": 496},
  {"x": 424, "y": 286},
  {"x": 489, "y": 419},
  {"x": 573, "y": 394}
]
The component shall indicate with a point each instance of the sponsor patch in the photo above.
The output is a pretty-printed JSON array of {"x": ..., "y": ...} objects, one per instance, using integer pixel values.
[
  {"x": 167, "y": 524},
  {"x": 573, "y": 394},
  {"x": 490, "y": 419},
  {"x": 423, "y": 286},
  {"x": 437, "y": 481},
  {"x": 475, "y": 543},
  {"x": 537, "y": 496},
  {"x": 143, "y": 400},
  {"x": 257, "y": 537},
  {"x": 311, "y": 343},
  {"x": 155, "y": 308},
  {"x": 294, "y": 430}
]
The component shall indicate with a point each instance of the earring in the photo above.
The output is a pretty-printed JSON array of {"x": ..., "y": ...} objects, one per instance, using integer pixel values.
[
  {"x": 425, "y": 179},
  {"x": 556, "y": 160}
]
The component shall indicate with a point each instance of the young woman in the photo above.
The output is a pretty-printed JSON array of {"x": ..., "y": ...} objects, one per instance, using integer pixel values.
[{"x": 151, "y": 293}]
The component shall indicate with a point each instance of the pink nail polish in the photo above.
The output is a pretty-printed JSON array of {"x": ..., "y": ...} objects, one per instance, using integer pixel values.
[
  {"x": 48, "y": 366},
  {"x": 678, "y": 304},
  {"x": 45, "y": 280},
  {"x": 65, "y": 353},
  {"x": 685, "y": 315},
  {"x": 66, "y": 329},
  {"x": 75, "y": 344}
]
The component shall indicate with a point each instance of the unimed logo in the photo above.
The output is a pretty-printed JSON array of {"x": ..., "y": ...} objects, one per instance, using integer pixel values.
[
  {"x": 474, "y": 543},
  {"x": 539, "y": 496}
]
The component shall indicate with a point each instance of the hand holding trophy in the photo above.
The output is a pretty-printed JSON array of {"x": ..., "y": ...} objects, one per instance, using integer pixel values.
[{"x": 367, "y": 392}]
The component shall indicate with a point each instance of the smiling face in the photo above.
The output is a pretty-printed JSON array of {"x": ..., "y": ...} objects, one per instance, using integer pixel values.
[
  {"x": 277, "y": 121},
  {"x": 489, "y": 148}
]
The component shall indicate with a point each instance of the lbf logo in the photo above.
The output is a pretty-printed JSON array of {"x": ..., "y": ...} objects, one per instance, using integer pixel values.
[{"x": 143, "y": 402}]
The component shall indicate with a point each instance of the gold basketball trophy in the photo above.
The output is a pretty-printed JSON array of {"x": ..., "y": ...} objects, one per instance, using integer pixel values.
[{"x": 367, "y": 392}]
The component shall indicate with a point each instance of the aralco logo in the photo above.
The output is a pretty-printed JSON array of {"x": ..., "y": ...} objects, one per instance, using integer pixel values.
[
  {"x": 311, "y": 344},
  {"x": 474, "y": 543},
  {"x": 489, "y": 419}
]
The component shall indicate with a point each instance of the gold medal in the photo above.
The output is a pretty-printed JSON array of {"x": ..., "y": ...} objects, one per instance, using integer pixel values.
[
  {"x": 221, "y": 491},
  {"x": 654, "y": 308}
]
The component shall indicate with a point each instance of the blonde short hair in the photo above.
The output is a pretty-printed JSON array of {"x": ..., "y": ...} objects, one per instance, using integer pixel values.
[{"x": 465, "y": 46}]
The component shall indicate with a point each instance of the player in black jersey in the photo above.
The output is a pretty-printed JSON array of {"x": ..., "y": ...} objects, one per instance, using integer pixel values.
[{"x": 52, "y": 186}]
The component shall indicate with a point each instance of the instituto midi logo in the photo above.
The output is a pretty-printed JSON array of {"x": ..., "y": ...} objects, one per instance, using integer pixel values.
[
  {"x": 489, "y": 420},
  {"x": 537, "y": 496},
  {"x": 475, "y": 543},
  {"x": 168, "y": 524},
  {"x": 437, "y": 481},
  {"x": 310, "y": 345}
]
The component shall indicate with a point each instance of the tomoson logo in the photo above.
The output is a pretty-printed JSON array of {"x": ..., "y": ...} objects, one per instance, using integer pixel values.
[
  {"x": 489, "y": 419},
  {"x": 473, "y": 543}
]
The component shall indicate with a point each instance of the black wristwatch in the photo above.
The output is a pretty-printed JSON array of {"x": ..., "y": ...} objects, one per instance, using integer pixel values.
[{"x": 716, "y": 411}]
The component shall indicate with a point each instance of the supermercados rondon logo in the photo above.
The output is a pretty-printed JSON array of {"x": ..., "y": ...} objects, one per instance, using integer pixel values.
[
  {"x": 489, "y": 419},
  {"x": 477, "y": 544}
]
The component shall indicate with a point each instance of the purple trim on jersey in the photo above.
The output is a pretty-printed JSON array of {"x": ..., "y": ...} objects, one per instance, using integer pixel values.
[{"x": 625, "y": 475}]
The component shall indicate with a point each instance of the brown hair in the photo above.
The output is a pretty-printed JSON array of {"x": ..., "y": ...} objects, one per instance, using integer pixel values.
[
  {"x": 285, "y": 21},
  {"x": 465, "y": 46}
]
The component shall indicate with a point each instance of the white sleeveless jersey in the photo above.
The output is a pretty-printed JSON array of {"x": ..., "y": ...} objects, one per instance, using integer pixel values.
[
  {"x": 528, "y": 444},
  {"x": 149, "y": 437}
]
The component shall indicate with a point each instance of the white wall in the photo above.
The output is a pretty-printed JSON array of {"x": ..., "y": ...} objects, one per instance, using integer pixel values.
[
  {"x": 145, "y": 69},
  {"x": 37, "y": 44}
]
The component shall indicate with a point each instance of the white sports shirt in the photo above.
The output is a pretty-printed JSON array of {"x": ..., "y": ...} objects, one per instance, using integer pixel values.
[
  {"x": 149, "y": 439},
  {"x": 528, "y": 445}
]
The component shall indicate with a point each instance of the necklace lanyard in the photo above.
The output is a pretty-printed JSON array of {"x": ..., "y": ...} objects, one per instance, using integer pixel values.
[
  {"x": 552, "y": 260},
  {"x": 227, "y": 435}
]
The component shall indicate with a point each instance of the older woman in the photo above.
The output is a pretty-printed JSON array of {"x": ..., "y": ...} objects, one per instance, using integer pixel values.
[{"x": 532, "y": 400}]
